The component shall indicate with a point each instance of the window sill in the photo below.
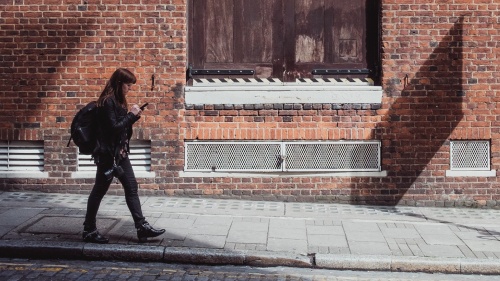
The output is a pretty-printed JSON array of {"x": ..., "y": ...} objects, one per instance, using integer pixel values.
[
  {"x": 281, "y": 174},
  {"x": 470, "y": 173},
  {"x": 283, "y": 93},
  {"x": 91, "y": 174},
  {"x": 23, "y": 175}
]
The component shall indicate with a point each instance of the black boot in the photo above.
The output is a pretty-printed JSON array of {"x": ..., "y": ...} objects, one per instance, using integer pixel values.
[
  {"x": 94, "y": 237},
  {"x": 146, "y": 230}
]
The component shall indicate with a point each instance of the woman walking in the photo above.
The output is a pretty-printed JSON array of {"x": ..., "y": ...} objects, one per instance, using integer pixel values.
[{"x": 111, "y": 156}]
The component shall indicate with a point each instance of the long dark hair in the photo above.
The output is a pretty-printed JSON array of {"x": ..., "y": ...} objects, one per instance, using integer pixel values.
[{"x": 114, "y": 87}]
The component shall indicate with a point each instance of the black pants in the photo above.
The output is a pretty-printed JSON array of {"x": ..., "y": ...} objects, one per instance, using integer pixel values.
[{"x": 101, "y": 186}]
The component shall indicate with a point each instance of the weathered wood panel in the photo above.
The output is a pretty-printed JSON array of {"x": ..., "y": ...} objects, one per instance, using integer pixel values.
[
  {"x": 254, "y": 30},
  {"x": 219, "y": 30},
  {"x": 309, "y": 30},
  {"x": 349, "y": 26}
]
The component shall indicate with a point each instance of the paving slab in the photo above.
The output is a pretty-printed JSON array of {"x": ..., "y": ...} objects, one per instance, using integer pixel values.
[
  {"x": 365, "y": 236},
  {"x": 369, "y": 248},
  {"x": 324, "y": 230},
  {"x": 439, "y": 239},
  {"x": 287, "y": 245},
  {"x": 446, "y": 251},
  {"x": 433, "y": 229},
  {"x": 287, "y": 223},
  {"x": 288, "y": 233},
  {"x": 483, "y": 245},
  {"x": 401, "y": 233},
  {"x": 220, "y": 230},
  {"x": 176, "y": 233},
  {"x": 175, "y": 223},
  {"x": 475, "y": 235},
  {"x": 327, "y": 240},
  {"x": 360, "y": 226},
  {"x": 205, "y": 241},
  {"x": 245, "y": 226},
  {"x": 247, "y": 237},
  {"x": 219, "y": 221},
  {"x": 63, "y": 225},
  {"x": 14, "y": 217}
]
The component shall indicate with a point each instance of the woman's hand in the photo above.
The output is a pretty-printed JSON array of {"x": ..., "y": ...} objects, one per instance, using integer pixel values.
[{"x": 136, "y": 110}]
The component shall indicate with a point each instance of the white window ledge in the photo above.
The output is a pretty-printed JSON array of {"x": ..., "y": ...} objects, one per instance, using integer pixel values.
[
  {"x": 91, "y": 174},
  {"x": 23, "y": 175},
  {"x": 281, "y": 174},
  {"x": 286, "y": 93},
  {"x": 470, "y": 173}
]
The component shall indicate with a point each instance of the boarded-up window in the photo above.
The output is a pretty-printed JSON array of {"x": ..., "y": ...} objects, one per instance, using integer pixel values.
[{"x": 285, "y": 39}]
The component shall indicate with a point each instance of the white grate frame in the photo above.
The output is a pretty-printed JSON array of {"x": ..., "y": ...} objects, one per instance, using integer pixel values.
[
  {"x": 354, "y": 156},
  {"x": 470, "y": 155}
]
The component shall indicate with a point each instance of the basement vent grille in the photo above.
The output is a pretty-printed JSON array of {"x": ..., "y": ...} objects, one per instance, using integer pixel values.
[
  {"x": 470, "y": 155},
  {"x": 140, "y": 157},
  {"x": 21, "y": 156},
  {"x": 283, "y": 156}
]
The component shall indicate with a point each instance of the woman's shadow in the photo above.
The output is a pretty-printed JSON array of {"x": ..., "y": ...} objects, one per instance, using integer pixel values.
[{"x": 419, "y": 122}]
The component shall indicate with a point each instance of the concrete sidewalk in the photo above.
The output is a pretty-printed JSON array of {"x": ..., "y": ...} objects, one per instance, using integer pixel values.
[{"x": 257, "y": 233}]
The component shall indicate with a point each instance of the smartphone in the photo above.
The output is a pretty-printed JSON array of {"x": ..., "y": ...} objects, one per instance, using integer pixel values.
[{"x": 144, "y": 106}]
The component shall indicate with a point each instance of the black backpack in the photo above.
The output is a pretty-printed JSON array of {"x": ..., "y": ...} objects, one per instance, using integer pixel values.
[{"x": 84, "y": 129}]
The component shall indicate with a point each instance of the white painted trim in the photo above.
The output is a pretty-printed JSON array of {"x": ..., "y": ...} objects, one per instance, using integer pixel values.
[
  {"x": 283, "y": 94},
  {"x": 450, "y": 173},
  {"x": 23, "y": 175},
  {"x": 183, "y": 174},
  {"x": 91, "y": 174}
]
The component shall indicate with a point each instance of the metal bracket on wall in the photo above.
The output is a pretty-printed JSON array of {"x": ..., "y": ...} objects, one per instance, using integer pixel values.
[
  {"x": 339, "y": 71},
  {"x": 191, "y": 72}
]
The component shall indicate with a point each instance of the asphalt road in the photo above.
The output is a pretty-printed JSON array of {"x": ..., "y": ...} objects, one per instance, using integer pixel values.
[{"x": 68, "y": 270}]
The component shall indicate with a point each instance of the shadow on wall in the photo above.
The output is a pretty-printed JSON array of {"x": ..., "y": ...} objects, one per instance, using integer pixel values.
[
  {"x": 420, "y": 120},
  {"x": 40, "y": 60}
]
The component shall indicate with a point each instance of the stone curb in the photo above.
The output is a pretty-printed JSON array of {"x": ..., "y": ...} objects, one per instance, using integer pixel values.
[
  {"x": 408, "y": 264},
  {"x": 251, "y": 258},
  {"x": 142, "y": 253},
  {"x": 41, "y": 249},
  {"x": 138, "y": 253}
]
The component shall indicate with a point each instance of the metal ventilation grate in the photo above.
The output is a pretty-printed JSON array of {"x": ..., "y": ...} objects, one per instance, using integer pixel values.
[
  {"x": 339, "y": 156},
  {"x": 233, "y": 156},
  {"x": 140, "y": 157},
  {"x": 21, "y": 156},
  {"x": 470, "y": 155},
  {"x": 283, "y": 156}
]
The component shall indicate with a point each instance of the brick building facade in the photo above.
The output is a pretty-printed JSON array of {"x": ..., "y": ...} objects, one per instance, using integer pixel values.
[{"x": 438, "y": 78}]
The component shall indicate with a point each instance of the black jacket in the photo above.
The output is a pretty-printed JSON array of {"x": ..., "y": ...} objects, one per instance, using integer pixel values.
[{"x": 115, "y": 128}]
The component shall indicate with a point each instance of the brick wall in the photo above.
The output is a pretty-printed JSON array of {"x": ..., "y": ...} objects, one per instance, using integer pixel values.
[
  {"x": 441, "y": 79},
  {"x": 440, "y": 75},
  {"x": 57, "y": 55}
]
